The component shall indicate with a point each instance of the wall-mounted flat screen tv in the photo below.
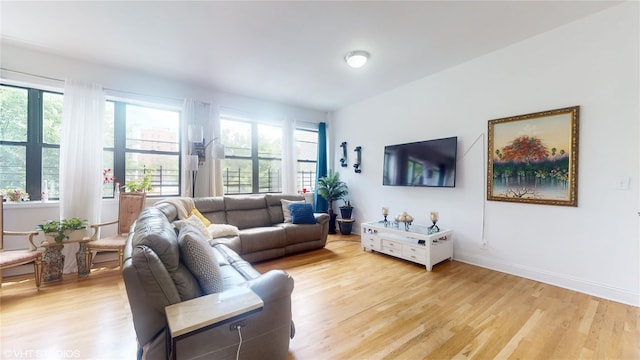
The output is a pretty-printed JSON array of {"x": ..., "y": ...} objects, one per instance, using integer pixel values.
[{"x": 424, "y": 163}]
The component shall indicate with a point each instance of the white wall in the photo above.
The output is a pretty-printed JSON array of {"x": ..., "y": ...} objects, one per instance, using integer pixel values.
[{"x": 592, "y": 63}]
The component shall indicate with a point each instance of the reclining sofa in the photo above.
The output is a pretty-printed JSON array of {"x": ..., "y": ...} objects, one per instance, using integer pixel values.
[{"x": 156, "y": 274}]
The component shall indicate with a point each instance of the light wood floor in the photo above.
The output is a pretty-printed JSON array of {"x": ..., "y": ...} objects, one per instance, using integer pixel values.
[{"x": 347, "y": 304}]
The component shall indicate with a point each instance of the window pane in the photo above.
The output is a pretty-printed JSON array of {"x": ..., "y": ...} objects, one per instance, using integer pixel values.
[
  {"x": 307, "y": 155},
  {"x": 51, "y": 170},
  {"x": 306, "y": 145},
  {"x": 51, "y": 118},
  {"x": 109, "y": 115},
  {"x": 165, "y": 171},
  {"x": 13, "y": 172},
  {"x": 152, "y": 129},
  {"x": 236, "y": 137},
  {"x": 269, "y": 141},
  {"x": 237, "y": 176},
  {"x": 13, "y": 114},
  {"x": 270, "y": 174},
  {"x": 306, "y": 176},
  {"x": 108, "y": 180}
]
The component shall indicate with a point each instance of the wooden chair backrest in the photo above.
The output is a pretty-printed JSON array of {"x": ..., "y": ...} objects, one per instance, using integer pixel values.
[{"x": 131, "y": 204}]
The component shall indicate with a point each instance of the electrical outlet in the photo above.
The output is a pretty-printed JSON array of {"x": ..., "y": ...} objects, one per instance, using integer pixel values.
[{"x": 238, "y": 324}]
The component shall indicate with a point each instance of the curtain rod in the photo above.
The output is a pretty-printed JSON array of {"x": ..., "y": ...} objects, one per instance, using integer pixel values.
[{"x": 106, "y": 89}]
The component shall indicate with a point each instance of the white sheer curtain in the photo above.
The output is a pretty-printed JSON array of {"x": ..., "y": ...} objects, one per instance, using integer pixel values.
[
  {"x": 81, "y": 150},
  {"x": 288, "y": 157},
  {"x": 216, "y": 182}
]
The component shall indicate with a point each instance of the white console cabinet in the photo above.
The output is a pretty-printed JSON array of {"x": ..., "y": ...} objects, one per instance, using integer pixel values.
[{"x": 415, "y": 244}]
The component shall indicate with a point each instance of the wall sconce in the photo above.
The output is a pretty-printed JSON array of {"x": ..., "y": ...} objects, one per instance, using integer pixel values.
[
  {"x": 356, "y": 166},
  {"x": 343, "y": 160},
  {"x": 195, "y": 135}
]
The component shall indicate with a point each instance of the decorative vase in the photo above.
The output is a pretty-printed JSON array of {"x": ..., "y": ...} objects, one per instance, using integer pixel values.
[
  {"x": 81, "y": 259},
  {"x": 52, "y": 263}
]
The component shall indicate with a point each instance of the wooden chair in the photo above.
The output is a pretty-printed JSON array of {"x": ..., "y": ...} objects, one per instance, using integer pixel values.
[
  {"x": 12, "y": 258},
  {"x": 131, "y": 204}
]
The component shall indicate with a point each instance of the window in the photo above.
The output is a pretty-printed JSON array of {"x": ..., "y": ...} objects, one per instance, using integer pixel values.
[
  {"x": 253, "y": 157},
  {"x": 307, "y": 157},
  {"x": 141, "y": 139},
  {"x": 30, "y": 121},
  {"x": 137, "y": 139}
]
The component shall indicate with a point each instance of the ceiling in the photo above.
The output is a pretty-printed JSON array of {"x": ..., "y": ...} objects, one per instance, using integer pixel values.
[{"x": 288, "y": 52}]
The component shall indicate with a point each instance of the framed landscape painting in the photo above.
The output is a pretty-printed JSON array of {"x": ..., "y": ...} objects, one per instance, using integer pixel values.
[{"x": 533, "y": 158}]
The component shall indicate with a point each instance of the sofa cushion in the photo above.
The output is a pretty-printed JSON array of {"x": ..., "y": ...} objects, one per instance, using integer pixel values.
[
  {"x": 195, "y": 212},
  {"x": 275, "y": 208},
  {"x": 200, "y": 258},
  {"x": 261, "y": 238},
  {"x": 286, "y": 212},
  {"x": 194, "y": 221},
  {"x": 301, "y": 233},
  {"x": 247, "y": 211},
  {"x": 154, "y": 230},
  {"x": 212, "y": 208},
  {"x": 302, "y": 213}
]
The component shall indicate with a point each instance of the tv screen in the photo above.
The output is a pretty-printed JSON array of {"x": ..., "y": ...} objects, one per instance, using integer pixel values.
[{"x": 424, "y": 163}]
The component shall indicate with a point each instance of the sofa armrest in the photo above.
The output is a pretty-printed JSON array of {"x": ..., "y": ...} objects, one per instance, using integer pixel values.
[
  {"x": 321, "y": 218},
  {"x": 272, "y": 285}
]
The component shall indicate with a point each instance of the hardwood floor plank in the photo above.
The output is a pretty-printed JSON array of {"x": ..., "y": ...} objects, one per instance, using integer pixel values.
[{"x": 348, "y": 304}]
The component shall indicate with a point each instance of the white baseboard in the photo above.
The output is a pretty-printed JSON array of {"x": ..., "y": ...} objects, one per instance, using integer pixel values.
[{"x": 561, "y": 280}]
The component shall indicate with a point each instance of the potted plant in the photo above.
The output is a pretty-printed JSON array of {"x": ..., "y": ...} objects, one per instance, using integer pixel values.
[
  {"x": 60, "y": 230},
  {"x": 331, "y": 188},
  {"x": 142, "y": 184},
  {"x": 14, "y": 195},
  {"x": 346, "y": 210},
  {"x": 53, "y": 258}
]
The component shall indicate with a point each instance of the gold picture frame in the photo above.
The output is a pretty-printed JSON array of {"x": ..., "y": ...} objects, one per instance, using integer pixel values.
[{"x": 533, "y": 158}]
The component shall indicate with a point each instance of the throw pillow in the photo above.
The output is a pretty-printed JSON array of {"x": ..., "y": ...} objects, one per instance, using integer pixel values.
[
  {"x": 220, "y": 230},
  {"x": 195, "y": 222},
  {"x": 200, "y": 259},
  {"x": 302, "y": 213},
  {"x": 285, "y": 208},
  {"x": 197, "y": 213}
]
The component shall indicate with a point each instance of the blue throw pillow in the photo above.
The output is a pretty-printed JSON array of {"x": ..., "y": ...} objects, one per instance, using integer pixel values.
[{"x": 302, "y": 213}]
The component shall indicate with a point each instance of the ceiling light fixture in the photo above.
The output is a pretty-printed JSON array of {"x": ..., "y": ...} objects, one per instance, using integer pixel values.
[{"x": 357, "y": 58}]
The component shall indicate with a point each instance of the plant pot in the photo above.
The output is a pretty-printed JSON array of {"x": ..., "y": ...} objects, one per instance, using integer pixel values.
[
  {"x": 52, "y": 263},
  {"x": 332, "y": 223},
  {"x": 346, "y": 212},
  {"x": 81, "y": 260},
  {"x": 345, "y": 227}
]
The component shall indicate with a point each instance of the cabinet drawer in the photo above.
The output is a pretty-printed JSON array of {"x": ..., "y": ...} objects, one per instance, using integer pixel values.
[
  {"x": 392, "y": 245},
  {"x": 371, "y": 242},
  {"x": 414, "y": 253},
  {"x": 392, "y": 251}
]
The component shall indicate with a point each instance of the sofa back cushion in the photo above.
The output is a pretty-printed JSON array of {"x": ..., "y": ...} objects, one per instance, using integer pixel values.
[
  {"x": 156, "y": 245},
  {"x": 275, "y": 206},
  {"x": 212, "y": 208},
  {"x": 247, "y": 211}
]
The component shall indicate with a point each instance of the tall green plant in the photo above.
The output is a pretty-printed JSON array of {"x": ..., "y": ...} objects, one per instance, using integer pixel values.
[{"x": 331, "y": 188}]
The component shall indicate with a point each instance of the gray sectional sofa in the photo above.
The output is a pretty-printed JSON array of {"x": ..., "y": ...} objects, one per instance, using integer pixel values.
[
  {"x": 157, "y": 274},
  {"x": 263, "y": 233}
]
